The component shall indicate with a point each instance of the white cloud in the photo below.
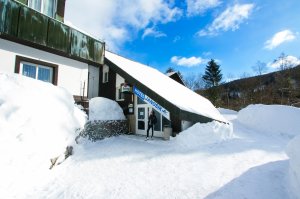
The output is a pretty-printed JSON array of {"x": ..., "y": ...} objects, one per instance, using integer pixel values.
[
  {"x": 198, "y": 7},
  {"x": 188, "y": 62},
  {"x": 117, "y": 21},
  {"x": 176, "y": 39},
  {"x": 152, "y": 32},
  {"x": 289, "y": 61},
  {"x": 230, "y": 19},
  {"x": 279, "y": 38}
]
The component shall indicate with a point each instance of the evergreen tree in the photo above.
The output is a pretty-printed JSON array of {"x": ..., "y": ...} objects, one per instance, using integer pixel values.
[
  {"x": 213, "y": 75},
  {"x": 170, "y": 69}
]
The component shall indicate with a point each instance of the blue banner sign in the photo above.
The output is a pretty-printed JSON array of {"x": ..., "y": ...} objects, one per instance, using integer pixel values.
[{"x": 150, "y": 101}]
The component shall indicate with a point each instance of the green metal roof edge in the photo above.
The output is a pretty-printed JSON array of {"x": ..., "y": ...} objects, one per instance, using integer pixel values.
[{"x": 32, "y": 44}]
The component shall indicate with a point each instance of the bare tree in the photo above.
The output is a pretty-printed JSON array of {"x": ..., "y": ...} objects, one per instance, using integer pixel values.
[
  {"x": 283, "y": 62},
  {"x": 244, "y": 75},
  {"x": 259, "y": 68},
  {"x": 194, "y": 81}
]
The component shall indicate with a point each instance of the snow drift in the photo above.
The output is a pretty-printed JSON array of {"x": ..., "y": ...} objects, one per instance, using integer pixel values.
[
  {"x": 37, "y": 121},
  {"x": 105, "y": 109},
  {"x": 294, "y": 171},
  {"x": 271, "y": 119},
  {"x": 204, "y": 134}
]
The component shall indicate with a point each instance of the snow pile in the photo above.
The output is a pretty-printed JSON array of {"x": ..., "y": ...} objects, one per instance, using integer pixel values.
[
  {"x": 271, "y": 119},
  {"x": 204, "y": 134},
  {"x": 294, "y": 172},
  {"x": 37, "y": 122},
  {"x": 228, "y": 114},
  {"x": 105, "y": 109}
]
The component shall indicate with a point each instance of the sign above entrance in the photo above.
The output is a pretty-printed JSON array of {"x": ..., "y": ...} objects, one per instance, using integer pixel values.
[{"x": 150, "y": 101}]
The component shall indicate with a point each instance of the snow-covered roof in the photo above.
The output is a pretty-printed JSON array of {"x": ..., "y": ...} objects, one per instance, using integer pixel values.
[
  {"x": 173, "y": 92},
  {"x": 170, "y": 73}
]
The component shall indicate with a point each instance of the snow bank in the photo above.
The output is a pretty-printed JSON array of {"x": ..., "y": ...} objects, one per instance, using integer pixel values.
[
  {"x": 204, "y": 134},
  {"x": 37, "y": 121},
  {"x": 271, "y": 119},
  {"x": 228, "y": 114},
  {"x": 105, "y": 109},
  {"x": 294, "y": 172},
  {"x": 226, "y": 111}
]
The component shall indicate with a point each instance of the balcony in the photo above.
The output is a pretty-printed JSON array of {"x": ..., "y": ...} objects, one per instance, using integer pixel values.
[{"x": 25, "y": 25}]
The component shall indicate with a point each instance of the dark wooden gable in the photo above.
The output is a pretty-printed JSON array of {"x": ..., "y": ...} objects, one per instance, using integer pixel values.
[{"x": 181, "y": 114}]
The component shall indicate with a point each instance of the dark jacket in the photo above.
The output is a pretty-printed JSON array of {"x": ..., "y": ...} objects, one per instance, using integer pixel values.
[{"x": 152, "y": 119}]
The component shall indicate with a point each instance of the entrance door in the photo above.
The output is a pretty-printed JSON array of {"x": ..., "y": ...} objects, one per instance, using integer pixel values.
[
  {"x": 142, "y": 120},
  {"x": 143, "y": 111}
]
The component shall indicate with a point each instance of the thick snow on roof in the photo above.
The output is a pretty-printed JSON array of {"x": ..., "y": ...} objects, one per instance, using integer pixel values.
[
  {"x": 172, "y": 91},
  {"x": 170, "y": 73}
]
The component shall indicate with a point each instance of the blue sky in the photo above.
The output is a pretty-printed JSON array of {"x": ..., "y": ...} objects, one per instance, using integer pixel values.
[{"x": 186, "y": 34}]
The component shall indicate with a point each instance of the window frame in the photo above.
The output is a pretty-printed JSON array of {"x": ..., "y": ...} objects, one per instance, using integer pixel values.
[
  {"x": 41, "y": 9},
  {"x": 105, "y": 79},
  {"x": 119, "y": 95},
  {"x": 20, "y": 60},
  {"x": 105, "y": 74}
]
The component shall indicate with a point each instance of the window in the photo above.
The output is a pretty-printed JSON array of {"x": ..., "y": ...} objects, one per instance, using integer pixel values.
[
  {"x": 105, "y": 72},
  {"x": 47, "y": 7},
  {"x": 157, "y": 126},
  {"x": 37, "y": 69},
  {"x": 119, "y": 94},
  {"x": 106, "y": 77}
]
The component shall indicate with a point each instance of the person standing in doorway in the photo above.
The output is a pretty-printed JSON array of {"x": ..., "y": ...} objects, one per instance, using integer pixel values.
[{"x": 151, "y": 122}]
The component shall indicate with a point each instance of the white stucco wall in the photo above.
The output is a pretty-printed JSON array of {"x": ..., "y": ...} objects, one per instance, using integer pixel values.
[{"x": 72, "y": 74}]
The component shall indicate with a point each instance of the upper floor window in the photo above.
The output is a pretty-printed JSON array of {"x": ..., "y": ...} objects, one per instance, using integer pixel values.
[
  {"x": 105, "y": 74},
  {"x": 37, "y": 69},
  {"x": 47, "y": 7},
  {"x": 105, "y": 77}
]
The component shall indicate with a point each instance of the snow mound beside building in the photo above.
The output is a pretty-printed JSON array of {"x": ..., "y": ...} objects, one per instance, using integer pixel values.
[
  {"x": 294, "y": 170},
  {"x": 38, "y": 115},
  {"x": 271, "y": 119},
  {"x": 101, "y": 108},
  {"x": 37, "y": 122},
  {"x": 204, "y": 134}
]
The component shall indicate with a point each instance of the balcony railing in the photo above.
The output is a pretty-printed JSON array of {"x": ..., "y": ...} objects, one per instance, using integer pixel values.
[{"x": 21, "y": 22}]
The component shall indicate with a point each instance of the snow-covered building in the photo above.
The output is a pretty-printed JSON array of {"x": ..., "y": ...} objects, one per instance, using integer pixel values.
[
  {"x": 36, "y": 43},
  {"x": 139, "y": 89}
]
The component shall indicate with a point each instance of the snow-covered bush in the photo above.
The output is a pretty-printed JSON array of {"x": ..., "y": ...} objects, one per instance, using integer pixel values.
[
  {"x": 101, "y": 108},
  {"x": 293, "y": 151},
  {"x": 106, "y": 119},
  {"x": 98, "y": 130}
]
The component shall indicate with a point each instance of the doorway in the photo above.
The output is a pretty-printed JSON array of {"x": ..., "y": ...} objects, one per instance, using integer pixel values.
[{"x": 142, "y": 113}]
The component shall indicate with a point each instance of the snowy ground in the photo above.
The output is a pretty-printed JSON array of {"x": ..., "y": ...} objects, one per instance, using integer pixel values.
[{"x": 251, "y": 163}]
